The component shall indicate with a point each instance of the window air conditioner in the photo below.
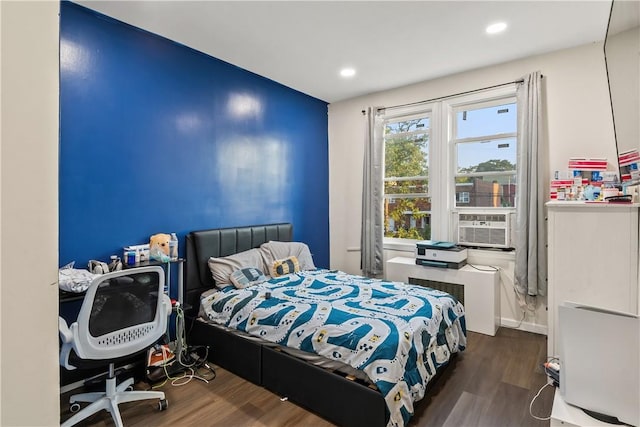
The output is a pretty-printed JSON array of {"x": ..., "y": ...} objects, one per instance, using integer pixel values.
[{"x": 484, "y": 229}]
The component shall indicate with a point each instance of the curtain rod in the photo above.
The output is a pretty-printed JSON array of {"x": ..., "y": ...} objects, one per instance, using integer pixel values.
[{"x": 449, "y": 96}]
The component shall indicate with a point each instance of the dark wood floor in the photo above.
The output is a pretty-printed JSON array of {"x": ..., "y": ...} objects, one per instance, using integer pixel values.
[{"x": 490, "y": 384}]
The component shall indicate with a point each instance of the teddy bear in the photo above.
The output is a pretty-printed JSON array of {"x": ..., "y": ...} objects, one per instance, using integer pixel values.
[{"x": 159, "y": 247}]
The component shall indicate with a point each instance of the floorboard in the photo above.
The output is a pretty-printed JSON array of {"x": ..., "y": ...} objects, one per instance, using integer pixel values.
[{"x": 490, "y": 384}]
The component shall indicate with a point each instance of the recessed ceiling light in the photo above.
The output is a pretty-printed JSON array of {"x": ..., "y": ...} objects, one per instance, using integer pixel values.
[
  {"x": 496, "y": 28},
  {"x": 347, "y": 72}
]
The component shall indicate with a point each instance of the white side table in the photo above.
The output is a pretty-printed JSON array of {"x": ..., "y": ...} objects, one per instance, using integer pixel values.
[{"x": 481, "y": 289}]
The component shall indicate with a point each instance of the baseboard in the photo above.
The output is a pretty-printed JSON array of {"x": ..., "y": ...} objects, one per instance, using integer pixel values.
[{"x": 524, "y": 326}]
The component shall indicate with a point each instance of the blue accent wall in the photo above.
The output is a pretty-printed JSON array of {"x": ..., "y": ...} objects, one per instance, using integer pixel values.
[{"x": 157, "y": 137}]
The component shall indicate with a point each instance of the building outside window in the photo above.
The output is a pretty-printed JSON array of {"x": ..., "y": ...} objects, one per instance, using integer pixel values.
[{"x": 484, "y": 140}]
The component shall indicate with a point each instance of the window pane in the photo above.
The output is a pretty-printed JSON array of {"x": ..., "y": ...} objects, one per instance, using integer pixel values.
[
  {"x": 486, "y": 121},
  {"x": 407, "y": 204},
  {"x": 486, "y": 191},
  {"x": 407, "y": 218},
  {"x": 406, "y": 155},
  {"x": 413, "y": 186},
  {"x": 404, "y": 126},
  {"x": 486, "y": 156}
]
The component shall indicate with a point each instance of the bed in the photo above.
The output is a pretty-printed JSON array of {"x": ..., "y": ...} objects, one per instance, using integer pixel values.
[{"x": 354, "y": 350}]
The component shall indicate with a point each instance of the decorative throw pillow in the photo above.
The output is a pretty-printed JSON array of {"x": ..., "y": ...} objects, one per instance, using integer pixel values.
[
  {"x": 247, "y": 277},
  {"x": 285, "y": 266}
]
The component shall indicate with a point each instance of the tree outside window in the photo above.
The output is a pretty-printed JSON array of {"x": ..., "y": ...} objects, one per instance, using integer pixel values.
[{"x": 407, "y": 203}]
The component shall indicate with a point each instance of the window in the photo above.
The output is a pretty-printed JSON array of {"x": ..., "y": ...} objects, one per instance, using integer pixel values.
[
  {"x": 407, "y": 204},
  {"x": 484, "y": 140},
  {"x": 453, "y": 154},
  {"x": 462, "y": 196}
]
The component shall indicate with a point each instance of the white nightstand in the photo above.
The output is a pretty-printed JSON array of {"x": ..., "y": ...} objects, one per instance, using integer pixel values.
[{"x": 481, "y": 289}]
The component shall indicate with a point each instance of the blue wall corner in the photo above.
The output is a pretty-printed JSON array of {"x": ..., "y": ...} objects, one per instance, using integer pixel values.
[{"x": 157, "y": 137}]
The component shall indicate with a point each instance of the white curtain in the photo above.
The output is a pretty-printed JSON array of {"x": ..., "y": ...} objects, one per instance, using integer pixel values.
[
  {"x": 531, "y": 236},
  {"x": 372, "y": 231}
]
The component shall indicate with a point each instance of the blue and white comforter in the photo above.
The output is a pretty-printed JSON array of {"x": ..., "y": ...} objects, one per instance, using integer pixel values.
[{"x": 398, "y": 334}]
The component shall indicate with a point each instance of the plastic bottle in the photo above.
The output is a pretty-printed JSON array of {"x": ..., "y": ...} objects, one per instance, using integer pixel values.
[{"x": 173, "y": 247}]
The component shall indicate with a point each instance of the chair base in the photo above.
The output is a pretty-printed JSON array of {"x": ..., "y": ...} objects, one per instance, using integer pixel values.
[{"x": 110, "y": 399}]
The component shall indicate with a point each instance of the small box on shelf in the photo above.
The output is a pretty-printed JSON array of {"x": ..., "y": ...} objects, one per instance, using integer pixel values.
[{"x": 135, "y": 254}]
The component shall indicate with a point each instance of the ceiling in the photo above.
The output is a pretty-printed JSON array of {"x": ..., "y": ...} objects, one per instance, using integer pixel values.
[{"x": 304, "y": 44}]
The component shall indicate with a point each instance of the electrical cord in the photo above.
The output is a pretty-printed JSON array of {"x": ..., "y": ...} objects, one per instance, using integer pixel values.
[
  {"x": 193, "y": 322},
  {"x": 524, "y": 305},
  {"x": 524, "y": 314},
  {"x": 533, "y": 400},
  {"x": 192, "y": 371},
  {"x": 550, "y": 375},
  {"x": 491, "y": 268},
  {"x": 193, "y": 364}
]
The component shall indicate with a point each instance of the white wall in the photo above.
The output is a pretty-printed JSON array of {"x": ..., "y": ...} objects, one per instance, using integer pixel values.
[
  {"x": 578, "y": 123},
  {"x": 29, "y": 385}
]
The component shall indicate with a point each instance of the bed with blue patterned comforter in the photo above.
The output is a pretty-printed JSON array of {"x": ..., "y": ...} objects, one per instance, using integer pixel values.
[{"x": 398, "y": 334}]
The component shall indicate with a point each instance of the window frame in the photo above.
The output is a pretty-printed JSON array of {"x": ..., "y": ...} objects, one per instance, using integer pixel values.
[
  {"x": 483, "y": 99},
  {"x": 443, "y": 158},
  {"x": 455, "y": 141},
  {"x": 406, "y": 114}
]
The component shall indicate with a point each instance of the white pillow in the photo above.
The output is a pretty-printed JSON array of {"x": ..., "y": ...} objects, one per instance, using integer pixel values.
[
  {"x": 275, "y": 250},
  {"x": 221, "y": 268}
]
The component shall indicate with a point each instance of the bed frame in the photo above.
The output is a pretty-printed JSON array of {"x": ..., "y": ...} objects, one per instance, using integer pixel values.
[{"x": 329, "y": 394}]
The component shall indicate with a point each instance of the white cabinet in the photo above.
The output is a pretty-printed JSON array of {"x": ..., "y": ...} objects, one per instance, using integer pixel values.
[
  {"x": 593, "y": 258},
  {"x": 481, "y": 289}
]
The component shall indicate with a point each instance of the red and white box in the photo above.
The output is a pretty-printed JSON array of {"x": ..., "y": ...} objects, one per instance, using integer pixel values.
[
  {"x": 628, "y": 157},
  {"x": 584, "y": 164},
  {"x": 565, "y": 183}
]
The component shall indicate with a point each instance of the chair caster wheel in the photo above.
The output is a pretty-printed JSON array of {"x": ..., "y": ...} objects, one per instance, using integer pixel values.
[
  {"x": 163, "y": 405},
  {"x": 75, "y": 407}
]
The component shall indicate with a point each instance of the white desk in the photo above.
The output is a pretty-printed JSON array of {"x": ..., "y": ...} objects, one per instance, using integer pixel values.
[{"x": 481, "y": 289}]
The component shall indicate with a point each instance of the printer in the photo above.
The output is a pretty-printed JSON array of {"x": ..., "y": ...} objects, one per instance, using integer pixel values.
[{"x": 434, "y": 253}]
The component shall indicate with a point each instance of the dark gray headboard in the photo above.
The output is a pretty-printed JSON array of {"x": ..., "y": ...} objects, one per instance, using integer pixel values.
[{"x": 220, "y": 242}]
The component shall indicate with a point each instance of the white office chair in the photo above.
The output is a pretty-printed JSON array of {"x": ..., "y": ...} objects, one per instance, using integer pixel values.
[{"x": 123, "y": 313}]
